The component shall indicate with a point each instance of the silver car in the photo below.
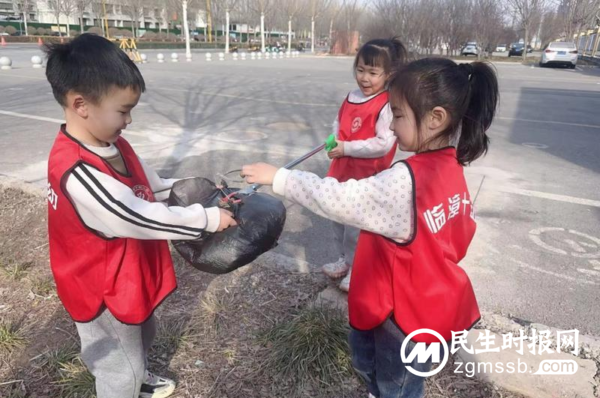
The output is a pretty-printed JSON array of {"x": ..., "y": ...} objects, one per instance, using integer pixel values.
[
  {"x": 560, "y": 53},
  {"x": 471, "y": 48}
]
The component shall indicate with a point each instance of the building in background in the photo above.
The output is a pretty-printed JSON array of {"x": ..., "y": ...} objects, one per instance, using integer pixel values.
[{"x": 118, "y": 15}]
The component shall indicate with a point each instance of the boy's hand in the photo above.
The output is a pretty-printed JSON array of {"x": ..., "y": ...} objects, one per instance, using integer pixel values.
[
  {"x": 338, "y": 151},
  {"x": 259, "y": 173},
  {"x": 226, "y": 220}
]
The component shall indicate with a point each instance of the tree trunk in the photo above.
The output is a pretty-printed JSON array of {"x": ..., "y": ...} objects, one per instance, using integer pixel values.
[
  {"x": 188, "y": 52},
  {"x": 312, "y": 35},
  {"x": 262, "y": 32},
  {"x": 209, "y": 20},
  {"x": 58, "y": 24},
  {"x": 290, "y": 35},
  {"x": 577, "y": 31},
  {"x": 25, "y": 18},
  {"x": 330, "y": 34},
  {"x": 525, "y": 44},
  {"x": 226, "y": 31}
]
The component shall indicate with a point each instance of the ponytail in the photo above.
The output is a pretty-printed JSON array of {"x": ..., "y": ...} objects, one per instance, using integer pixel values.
[
  {"x": 468, "y": 92},
  {"x": 482, "y": 100}
]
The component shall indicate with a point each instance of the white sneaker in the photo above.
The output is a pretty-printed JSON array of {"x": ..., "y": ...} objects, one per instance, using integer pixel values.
[
  {"x": 337, "y": 269},
  {"x": 156, "y": 387},
  {"x": 345, "y": 283},
  {"x": 371, "y": 395}
]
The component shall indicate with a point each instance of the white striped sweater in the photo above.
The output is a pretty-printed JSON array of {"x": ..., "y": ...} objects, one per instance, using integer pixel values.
[{"x": 111, "y": 208}]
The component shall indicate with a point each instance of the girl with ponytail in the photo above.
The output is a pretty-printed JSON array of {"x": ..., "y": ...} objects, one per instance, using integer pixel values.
[{"x": 416, "y": 220}]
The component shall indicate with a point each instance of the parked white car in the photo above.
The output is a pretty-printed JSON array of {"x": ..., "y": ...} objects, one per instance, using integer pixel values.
[
  {"x": 501, "y": 48},
  {"x": 560, "y": 53}
]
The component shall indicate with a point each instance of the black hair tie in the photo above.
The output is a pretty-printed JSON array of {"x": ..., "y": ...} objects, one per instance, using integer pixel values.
[{"x": 467, "y": 68}]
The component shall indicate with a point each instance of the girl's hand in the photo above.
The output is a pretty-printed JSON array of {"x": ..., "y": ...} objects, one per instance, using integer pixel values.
[
  {"x": 259, "y": 173},
  {"x": 338, "y": 151}
]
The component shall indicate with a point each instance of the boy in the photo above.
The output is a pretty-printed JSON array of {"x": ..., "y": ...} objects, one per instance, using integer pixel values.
[{"x": 107, "y": 232}]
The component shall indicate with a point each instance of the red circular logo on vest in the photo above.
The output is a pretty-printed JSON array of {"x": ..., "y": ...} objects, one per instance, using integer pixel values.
[
  {"x": 356, "y": 124},
  {"x": 142, "y": 192}
]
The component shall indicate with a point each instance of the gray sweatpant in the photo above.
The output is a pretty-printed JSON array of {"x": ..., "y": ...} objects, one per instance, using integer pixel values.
[
  {"x": 345, "y": 239},
  {"x": 115, "y": 353}
]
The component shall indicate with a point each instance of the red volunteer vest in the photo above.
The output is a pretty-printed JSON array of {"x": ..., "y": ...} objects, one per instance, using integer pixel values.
[
  {"x": 130, "y": 277},
  {"x": 420, "y": 281},
  {"x": 358, "y": 122}
]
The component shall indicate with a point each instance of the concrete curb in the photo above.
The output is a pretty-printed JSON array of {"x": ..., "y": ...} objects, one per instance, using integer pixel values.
[{"x": 13, "y": 183}]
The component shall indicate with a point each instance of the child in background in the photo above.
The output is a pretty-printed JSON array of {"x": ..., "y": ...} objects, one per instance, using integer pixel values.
[
  {"x": 107, "y": 232},
  {"x": 366, "y": 145},
  {"x": 417, "y": 220}
]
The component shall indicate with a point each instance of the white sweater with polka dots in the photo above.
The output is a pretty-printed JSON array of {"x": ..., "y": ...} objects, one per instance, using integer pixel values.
[{"x": 382, "y": 204}]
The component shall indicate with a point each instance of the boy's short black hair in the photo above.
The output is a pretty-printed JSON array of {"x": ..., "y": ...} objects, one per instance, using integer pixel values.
[{"x": 91, "y": 66}]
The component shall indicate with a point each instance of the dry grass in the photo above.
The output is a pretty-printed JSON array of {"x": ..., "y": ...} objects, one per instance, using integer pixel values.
[
  {"x": 75, "y": 381},
  {"x": 12, "y": 336},
  {"x": 213, "y": 309},
  {"x": 42, "y": 286},
  {"x": 312, "y": 345},
  {"x": 16, "y": 271},
  {"x": 172, "y": 334}
]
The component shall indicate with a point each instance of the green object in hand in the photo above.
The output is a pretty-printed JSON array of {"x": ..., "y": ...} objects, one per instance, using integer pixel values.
[{"x": 330, "y": 143}]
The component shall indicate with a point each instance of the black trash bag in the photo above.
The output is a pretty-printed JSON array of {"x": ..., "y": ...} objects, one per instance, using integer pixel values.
[{"x": 260, "y": 219}]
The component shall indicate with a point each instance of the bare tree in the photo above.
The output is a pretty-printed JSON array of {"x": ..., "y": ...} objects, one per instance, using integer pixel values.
[
  {"x": 292, "y": 9},
  {"x": 335, "y": 8},
  {"x": 68, "y": 8},
  {"x": 81, "y": 6},
  {"x": 456, "y": 24},
  {"x": 487, "y": 24},
  {"x": 526, "y": 11},
  {"x": 317, "y": 8},
  {"x": 428, "y": 29},
  {"x": 578, "y": 14},
  {"x": 227, "y": 6},
  {"x": 551, "y": 28},
  {"x": 135, "y": 10},
  {"x": 56, "y": 6},
  {"x": 261, "y": 7},
  {"x": 352, "y": 11},
  {"x": 23, "y": 7}
]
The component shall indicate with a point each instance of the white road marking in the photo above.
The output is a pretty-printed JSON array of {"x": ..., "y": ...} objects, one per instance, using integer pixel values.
[
  {"x": 534, "y": 145},
  {"x": 57, "y": 121},
  {"x": 24, "y": 77},
  {"x": 550, "y": 196},
  {"x": 588, "y": 272},
  {"x": 32, "y": 117},
  {"x": 575, "y": 246},
  {"x": 555, "y": 274},
  {"x": 536, "y": 236},
  {"x": 593, "y": 126}
]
